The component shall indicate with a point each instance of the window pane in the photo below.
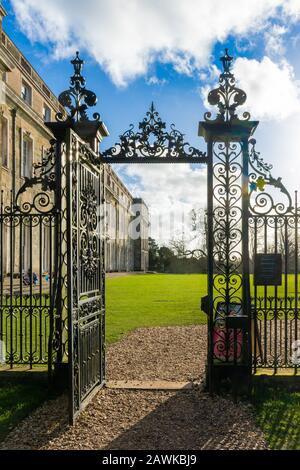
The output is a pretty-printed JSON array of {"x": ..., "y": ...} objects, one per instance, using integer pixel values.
[
  {"x": 46, "y": 114},
  {"x": 26, "y": 93}
]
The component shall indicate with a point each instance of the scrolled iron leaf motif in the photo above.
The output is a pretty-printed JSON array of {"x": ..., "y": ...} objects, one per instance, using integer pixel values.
[
  {"x": 88, "y": 237},
  {"x": 77, "y": 99},
  {"x": 227, "y": 97},
  {"x": 44, "y": 177},
  {"x": 152, "y": 142},
  {"x": 262, "y": 202},
  {"x": 227, "y": 216}
]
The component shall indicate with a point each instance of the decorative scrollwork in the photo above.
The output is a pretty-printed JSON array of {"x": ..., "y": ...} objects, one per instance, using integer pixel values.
[
  {"x": 44, "y": 178},
  {"x": 227, "y": 254},
  {"x": 227, "y": 217},
  {"x": 262, "y": 202},
  {"x": 77, "y": 99},
  {"x": 153, "y": 143},
  {"x": 88, "y": 223},
  {"x": 227, "y": 97},
  {"x": 87, "y": 309}
]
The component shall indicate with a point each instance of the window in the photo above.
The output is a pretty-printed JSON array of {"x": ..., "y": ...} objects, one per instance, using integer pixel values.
[
  {"x": 27, "y": 157},
  {"x": 4, "y": 140},
  {"x": 46, "y": 113},
  {"x": 26, "y": 93}
]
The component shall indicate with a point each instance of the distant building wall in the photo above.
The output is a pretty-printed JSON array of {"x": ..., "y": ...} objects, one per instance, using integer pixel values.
[{"x": 141, "y": 244}]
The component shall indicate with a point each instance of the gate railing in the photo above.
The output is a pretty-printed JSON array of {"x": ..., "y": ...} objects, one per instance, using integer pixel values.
[
  {"x": 275, "y": 309},
  {"x": 29, "y": 224}
]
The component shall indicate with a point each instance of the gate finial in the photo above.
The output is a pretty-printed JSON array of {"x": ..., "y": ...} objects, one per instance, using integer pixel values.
[
  {"x": 226, "y": 61},
  {"x": 77, "y": 99},
  {"x": 227, "y": 97}
]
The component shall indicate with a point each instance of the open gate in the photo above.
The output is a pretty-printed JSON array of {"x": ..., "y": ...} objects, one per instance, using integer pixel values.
[
  {"x": 59, "y": 235},
  {"x": 85, "y": 272}
]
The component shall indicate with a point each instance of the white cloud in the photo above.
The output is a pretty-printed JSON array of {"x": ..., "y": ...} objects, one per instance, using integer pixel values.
[
  {"x": 126, "y": 36},
  {"x": 274, "y": 40},
  {"x": 153, "y": 80},
  {"x": 272, "y": 90},
  {"x": 169, "y": 191}
]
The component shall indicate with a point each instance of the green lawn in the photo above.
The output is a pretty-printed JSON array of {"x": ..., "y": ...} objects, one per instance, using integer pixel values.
[
  {"x": 277, "y": 413},
  {"x": 153, "y": 300},
  {"x": 163, "y": 299}
]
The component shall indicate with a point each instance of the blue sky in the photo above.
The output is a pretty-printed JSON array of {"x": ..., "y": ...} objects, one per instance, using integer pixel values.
[{"x": 168, "y": 52}]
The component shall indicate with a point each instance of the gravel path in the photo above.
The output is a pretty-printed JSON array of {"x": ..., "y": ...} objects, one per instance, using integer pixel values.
[
  {"x": 169, "y": 353},
  {"x": 139, "y": 419}
]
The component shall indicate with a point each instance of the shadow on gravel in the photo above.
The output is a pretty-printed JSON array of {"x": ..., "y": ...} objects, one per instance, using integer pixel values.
[
  {"x": 144, "y": 420},
  {"x": 192, "y": 421}
]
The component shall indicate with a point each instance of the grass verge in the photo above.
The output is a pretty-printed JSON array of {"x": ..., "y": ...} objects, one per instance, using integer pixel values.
[{"x": 277, "y": 412}]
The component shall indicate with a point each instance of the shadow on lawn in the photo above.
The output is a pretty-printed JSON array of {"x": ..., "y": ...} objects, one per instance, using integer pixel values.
[{"x": 278, "y": 415}]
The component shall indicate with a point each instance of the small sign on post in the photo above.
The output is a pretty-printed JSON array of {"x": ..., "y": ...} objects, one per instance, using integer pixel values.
[{"x": 268, "y": 269}]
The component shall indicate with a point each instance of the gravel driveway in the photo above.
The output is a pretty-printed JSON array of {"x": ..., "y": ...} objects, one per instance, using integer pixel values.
[{"x": 146, "y": 419}]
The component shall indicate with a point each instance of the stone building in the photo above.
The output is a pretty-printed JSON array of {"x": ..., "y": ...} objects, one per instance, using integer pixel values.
[
  {"x": 26, "y": 102},
  {"x": 141, "y": 240},
  {"x": 127, "y": 227}
]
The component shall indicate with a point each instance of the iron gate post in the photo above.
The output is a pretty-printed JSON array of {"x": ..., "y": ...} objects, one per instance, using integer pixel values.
[{"x": 229, "y": 305}]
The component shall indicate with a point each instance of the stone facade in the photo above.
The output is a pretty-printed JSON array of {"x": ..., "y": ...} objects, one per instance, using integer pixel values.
[
  {"x": 26, "y": 102},
  {"x": 127, "y": 244},
  {"x": 141, "y": 240}
]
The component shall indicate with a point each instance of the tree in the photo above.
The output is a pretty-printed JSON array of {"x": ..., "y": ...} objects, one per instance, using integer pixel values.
[
  {"x": 166, "y": 256},
  {"x": 153, "y": 255},
  {"x": 198, "y": 235}
]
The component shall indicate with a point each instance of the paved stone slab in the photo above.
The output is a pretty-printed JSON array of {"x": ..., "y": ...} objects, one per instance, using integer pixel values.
[{"x": 151, "y": 385}]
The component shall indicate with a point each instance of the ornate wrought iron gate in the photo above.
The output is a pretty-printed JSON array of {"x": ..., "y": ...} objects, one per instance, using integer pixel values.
[{"x": 85, "y": 272}]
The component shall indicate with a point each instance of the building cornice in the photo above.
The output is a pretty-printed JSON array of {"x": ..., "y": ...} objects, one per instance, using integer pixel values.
[
  {"x": 114, "y": 175},
  {"x": 2, "y": 11},
  {"x": 54, "y": 103}
]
